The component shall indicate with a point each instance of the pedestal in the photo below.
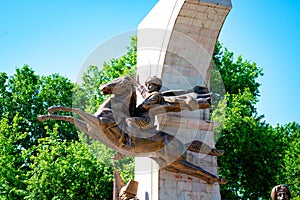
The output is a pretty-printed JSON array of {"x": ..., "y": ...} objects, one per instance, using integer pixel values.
[{"x": 159, "y": 184}]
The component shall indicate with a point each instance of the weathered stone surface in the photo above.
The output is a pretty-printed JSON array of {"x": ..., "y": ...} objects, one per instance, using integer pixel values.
[{"x": 183, "y": 60}]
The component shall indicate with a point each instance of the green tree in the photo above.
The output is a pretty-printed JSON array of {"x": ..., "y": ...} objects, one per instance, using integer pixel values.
[
  {"x": 26, "y": 95},
  {"x": 252, "y": 156},
  {"x": 12, "y": 164},
  {"x": 29, "y": 95},
  {"x": 67, "y": 170},
  {"x": 290, "y": 151},
  {"x": 4, "y": 94},
  {"x": 236, "y": 75}
]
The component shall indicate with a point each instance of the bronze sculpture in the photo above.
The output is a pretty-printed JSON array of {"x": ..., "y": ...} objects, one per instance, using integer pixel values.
[
  {"x": 152, "y": 96},
  {"x": 108, "y": 125},
  {"x": 281, "y": 192},
  {"x": 129, "y": 191}
]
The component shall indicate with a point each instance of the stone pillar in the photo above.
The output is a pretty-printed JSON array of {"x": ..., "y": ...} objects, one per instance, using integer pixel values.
[{"x": 176, "y": 41}]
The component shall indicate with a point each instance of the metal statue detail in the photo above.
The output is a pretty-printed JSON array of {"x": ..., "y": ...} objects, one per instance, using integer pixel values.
[
  {"x": 281, "y": 192},
  {"x": 118, "y": 124}
]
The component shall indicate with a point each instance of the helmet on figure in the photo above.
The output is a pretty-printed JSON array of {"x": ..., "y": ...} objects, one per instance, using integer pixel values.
[
  {"x": 281, "y": 192},
  {"x": 154, "y": 80}
]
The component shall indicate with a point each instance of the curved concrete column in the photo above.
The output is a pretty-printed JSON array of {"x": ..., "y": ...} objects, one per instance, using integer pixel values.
[
  {"x": 177, "y": 38},
  {"x": 176, "y": 41}
]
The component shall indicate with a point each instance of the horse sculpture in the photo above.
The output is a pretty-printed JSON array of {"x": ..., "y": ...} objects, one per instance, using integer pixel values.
[{"x": 108, "y": 125}]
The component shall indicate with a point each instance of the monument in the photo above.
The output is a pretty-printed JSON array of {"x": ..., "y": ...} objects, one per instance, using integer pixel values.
[
  {"x": 176, "y": 41},
  {"x": 168, "y": 127}
]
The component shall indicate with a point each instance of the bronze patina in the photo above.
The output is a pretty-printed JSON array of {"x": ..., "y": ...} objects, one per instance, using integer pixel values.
[
  {"x": 281, "y": 192},
  {"x": 110, "y": 126}
]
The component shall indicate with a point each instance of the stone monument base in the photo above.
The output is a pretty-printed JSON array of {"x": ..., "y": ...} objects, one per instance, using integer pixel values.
[{"x": 159, "y": 184}]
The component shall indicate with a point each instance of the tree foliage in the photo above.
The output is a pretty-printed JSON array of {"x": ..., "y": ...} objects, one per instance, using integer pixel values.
[
  {"x": 290, "y": 151},
  {"x": 12, "y": 164},
  {"x": 237, "y": 75},
  {"x": 29, "y": 95},
  {"x": 35, "y": 160},
  {"x": 251, "y": 154},
  {"x": 24, "y": 96},
  {"x": 67, "y": 170},
  {"x": 253, "y": 157}
]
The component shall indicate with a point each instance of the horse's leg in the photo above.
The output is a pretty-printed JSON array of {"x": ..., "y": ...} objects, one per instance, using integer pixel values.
[
  {"x": 81, "y": 125},
  {"x": 88, "y": 118},
  {"x": 183, "y": 166},
  {"x": 53, "y": 109},
  {"x": 78, "y": 123}
]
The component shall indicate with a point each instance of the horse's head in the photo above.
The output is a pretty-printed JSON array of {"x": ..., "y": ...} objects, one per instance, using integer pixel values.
[{"x": 118, "y": 86}]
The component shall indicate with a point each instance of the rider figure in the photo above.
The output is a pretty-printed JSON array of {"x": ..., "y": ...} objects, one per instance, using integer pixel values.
[{"x": 142, "y": 118}]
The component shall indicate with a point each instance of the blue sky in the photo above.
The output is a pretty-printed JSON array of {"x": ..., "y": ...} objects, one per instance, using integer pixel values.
[{"x": 56, "y": 36}]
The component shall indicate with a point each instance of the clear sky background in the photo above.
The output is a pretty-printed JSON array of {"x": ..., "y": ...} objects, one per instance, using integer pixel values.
[{"x": 56, "y": 36}]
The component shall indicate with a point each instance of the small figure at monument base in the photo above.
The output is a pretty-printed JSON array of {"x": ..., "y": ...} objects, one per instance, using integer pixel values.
[
  {"x": 281, "y": 192},
  {"x": 152, "y": 96},
  {"x": 129, "y": 191}
]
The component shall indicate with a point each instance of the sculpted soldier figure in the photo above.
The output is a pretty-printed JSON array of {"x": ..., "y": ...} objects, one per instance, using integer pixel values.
[
  {"x": 281, "y": 192},
  {"x": 142, "y": 118},
  {"x": 129, "y": 191}
]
